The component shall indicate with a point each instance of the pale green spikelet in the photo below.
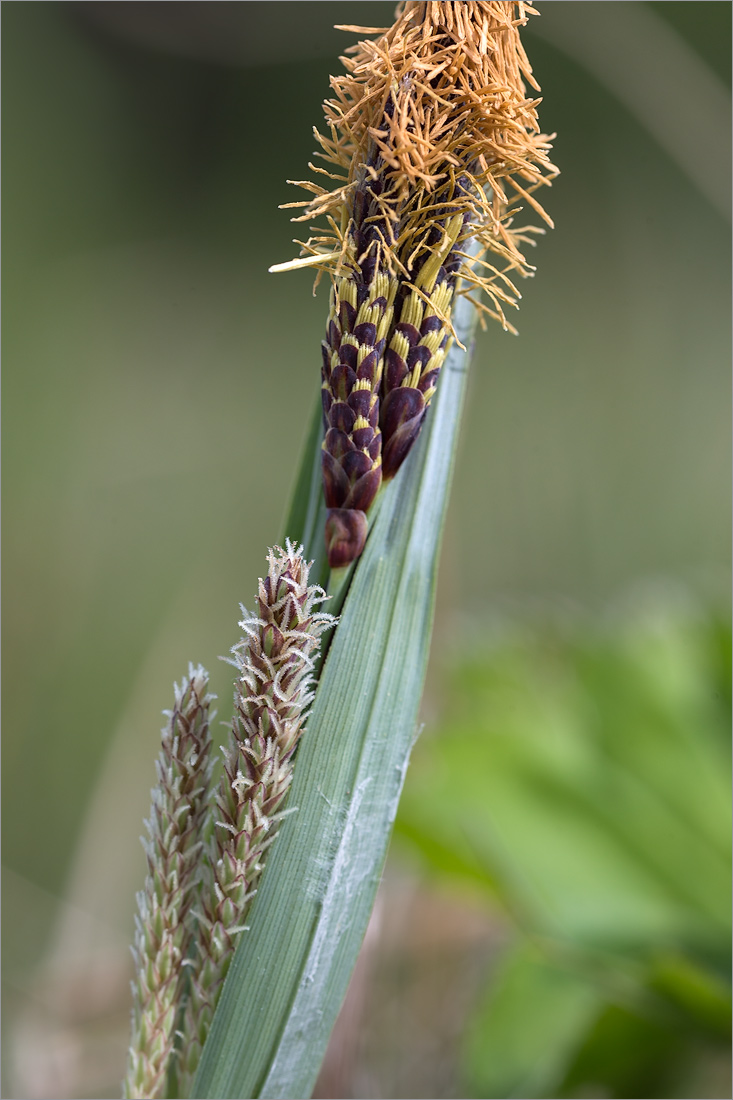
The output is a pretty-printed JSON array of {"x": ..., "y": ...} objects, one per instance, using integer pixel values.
[
  {"x": 275, "y": 662},
  {"x": 180, "y": 804}
]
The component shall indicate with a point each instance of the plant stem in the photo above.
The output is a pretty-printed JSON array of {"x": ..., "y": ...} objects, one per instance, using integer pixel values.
[{"x": 290, "y": 973}]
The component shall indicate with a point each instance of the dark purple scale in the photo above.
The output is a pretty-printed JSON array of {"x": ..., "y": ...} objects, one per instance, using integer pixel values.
[
  {"x": 395, "y": 369},
  {"x": 364, "y": 490},
  {"x": 348, "y": 354},
  {"x": 362, "y": 294},
  {"x": 428, "y": 380},
  {"x": 404, "y": 410},
  {"x": 333, "y": 335},
  {"x": 338, "y": 443},
  {"x": 336, "y": 484},
  {"x": 345, "y": 535},
  {"x": 342, "y": 381},
  {"x": 431, "y": 323},
  {"x": 368, "y": 367},
  {"x": 409, "y": 332},
  {"x": 399, "y": 407},
  {"x": 361, "y": 401},
  {"x": 342, "y": 417},
  {"x": 362, "y": 437},
  {"x": 421, "y": 355},
  {"x": 347, "y": 316},
  {"x": 366, "y": 333},
  {"x": 355, "y": 464}
]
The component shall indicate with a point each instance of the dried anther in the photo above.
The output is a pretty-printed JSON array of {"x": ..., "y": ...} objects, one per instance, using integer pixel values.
[{"x": 433, "y": 143}]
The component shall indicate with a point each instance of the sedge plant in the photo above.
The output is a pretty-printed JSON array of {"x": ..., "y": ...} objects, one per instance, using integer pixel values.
[{"x": 260, "y": 883}]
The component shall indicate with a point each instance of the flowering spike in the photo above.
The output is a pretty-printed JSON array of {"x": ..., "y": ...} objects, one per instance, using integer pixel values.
[
  {"x": 275, "y": 662},
  {"x": 432, "y": 143},
  {"x": 180, "y": 803}
]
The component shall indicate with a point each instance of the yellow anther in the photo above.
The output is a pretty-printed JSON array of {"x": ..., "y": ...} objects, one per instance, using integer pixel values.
[
  {"x": 413, "y": 378},
  {"x": 380, "y": 286},
  {"x": 429, "y": 270},
  {"x": 347, "y": 291},
  {"x": 436, "y": 361},
  {"x": 385, "y": 323},
  {"x": 400, "y": 344},
  {"x": 441, "y": 297},
  {"x": 432, "y": 340},
  {"x": 412, "y": 310},
  {"x": 367, "y": 312}
]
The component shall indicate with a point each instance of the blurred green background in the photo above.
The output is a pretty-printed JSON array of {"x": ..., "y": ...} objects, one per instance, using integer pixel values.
[{"x": 567, "y": 815}]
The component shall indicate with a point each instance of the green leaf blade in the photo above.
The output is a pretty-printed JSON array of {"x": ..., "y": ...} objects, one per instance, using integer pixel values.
[
  {"x": 306, "y": 513},
  {"x": 290, "y": 972}
]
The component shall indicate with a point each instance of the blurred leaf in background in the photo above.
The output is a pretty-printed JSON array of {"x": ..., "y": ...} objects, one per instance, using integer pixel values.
[
  {"x": 580, "y": 776},
  {"x": 146, "y": 357}
]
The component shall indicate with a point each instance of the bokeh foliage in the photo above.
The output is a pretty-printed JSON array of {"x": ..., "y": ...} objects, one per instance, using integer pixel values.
[
  {"x": 156, "y": 385},
  {"x": 581, "y": 777}
]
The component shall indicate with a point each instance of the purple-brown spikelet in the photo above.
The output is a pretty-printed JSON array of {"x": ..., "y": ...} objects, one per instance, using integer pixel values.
[
  {"x": 353, "y": 358},
  {"x": 431, "y": 142},
  {"x": 418, "y": 343},
  {"x": 275, "y": 665},
  {"x": 360, "y": 318}
]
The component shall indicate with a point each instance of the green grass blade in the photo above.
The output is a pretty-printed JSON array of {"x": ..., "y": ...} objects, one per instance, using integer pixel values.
[
  {"x": 290, "y": 972},
  {"x": 306, "y": 513}
]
